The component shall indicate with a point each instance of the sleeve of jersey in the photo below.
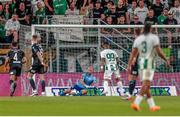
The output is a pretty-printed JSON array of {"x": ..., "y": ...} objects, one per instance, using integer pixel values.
[
  {"x": 83, "y": 76},
  {"x": 102, "y": 55},
  {"x": 95, "y": 81},
  {"x": 35, "y": 49},
  {"x": 135, "y": 44},
  {"x": 116, "y": 54}
]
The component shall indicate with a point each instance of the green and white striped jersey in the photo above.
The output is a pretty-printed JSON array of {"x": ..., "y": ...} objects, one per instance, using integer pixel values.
[
  {"x": 147, "y": 53},
  {"x": 110, "y": 58}
]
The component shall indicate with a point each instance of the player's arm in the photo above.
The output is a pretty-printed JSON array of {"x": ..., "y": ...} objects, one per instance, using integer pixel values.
[
  {"x": 6, "y": 61},
  {"x": 24, "y": 60},
  {"x": 83, "y": 83},
  {"x": 132, "y": 58},
  {"x": 161, "y": 54},
  {"x": 94, "y": 82},
  {"x": 40, "y": 57}
]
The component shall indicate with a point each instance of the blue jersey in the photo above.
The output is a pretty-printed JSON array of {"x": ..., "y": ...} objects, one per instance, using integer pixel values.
[{"x": 88, "y": 80}]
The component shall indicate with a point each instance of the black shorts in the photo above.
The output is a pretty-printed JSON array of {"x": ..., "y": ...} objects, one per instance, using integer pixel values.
[
  {"x": 40, "y": 69},
  {"x": 15, "y": 70},
  {"x": 134, "y": 69}
]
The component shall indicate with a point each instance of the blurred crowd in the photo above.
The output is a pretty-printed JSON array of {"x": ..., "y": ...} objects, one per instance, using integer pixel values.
[
  {"x": 119, "y": 12},
  {"x": 14, "y": 13}
]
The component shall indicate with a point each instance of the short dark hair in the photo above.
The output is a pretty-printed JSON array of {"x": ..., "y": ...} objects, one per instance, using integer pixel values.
[
  {"x": 147, "y": 28},
  {"x": 15, "y": 44},
  {"x": 35, "y": 36},
  {"x": 138, "y": 31},
  {"x": 106, "y": 43}
]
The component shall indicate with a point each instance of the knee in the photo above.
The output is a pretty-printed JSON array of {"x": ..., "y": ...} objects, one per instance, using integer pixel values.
[{"x": 108, "y": 81}]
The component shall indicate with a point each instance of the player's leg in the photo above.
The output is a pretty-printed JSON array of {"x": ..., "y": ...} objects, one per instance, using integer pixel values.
[
  {"x": 82, "y": 92},
  {"x": 143, "y": 90},
  {"x": 150, "y": 99},
  {"x": 107, "y": 81},
  {"x": 132, "y": 84},
  {"x": 66, "y": 91},
  {"x": 31, "y": 72},
  {"x": 78, "y": 90},
  {"x": 119, "y": 82},
  {"x": 41, "y": 76},
  {"x": 12, "y": 83},
  {"x": 14, "y": 79},
  {"x": 132, "y": 79},
  {"x": 139, "y": 97},
  {"x": 43, "y": 85}
]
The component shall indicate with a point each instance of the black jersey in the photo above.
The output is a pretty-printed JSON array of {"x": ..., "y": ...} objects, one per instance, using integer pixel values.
[
  {"x": 15, "y": 57},
  {"x": 35, "y": 49}
]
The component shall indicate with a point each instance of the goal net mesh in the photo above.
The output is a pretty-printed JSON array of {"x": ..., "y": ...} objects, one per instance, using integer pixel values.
[{"x": 69, "y": 51}]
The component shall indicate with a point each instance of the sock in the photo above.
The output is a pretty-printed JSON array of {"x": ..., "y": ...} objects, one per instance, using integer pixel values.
[
  {"x": 132, "y": 85},
  {"x": 43, "y": 85},
  {"x": 105, "y": 86},
  {"x": 32, "y": 83},
  {"x": 11, "y": 81},
  {"x": 120, "y": 85},
  {"x": 138, "y": 99},
  {"x": 12, "y": 86},
  {"x": 150, "y": 101}
]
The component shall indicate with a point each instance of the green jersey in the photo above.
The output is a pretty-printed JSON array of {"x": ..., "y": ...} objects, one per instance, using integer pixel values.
[
  {"x": 60, "y": 7},
  {"x": 110, "y": 59},
  {"x": 41, "y": 15},
  {"x": 161, "y": 19}
]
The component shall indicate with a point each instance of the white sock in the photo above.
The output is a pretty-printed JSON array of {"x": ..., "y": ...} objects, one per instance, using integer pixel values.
[
  {"x": 120, "y": 85},
  {"x": 150, "y": 101},
  {"x": 34, "y": 91},
  {"x": 138, "y": 99},
  {"x": 105, "y": 86}
]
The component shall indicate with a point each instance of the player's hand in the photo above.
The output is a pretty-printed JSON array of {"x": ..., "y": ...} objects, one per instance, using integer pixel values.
[
  {"x": 129, "y": 69},
  {"x": 45, "y": 65},
  {"x": 102, "y": 68},
  {"x": 168, "y": 63}
]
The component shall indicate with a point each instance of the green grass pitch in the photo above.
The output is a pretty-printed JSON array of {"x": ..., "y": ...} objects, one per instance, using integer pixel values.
[{"x": 85, "y": 106}]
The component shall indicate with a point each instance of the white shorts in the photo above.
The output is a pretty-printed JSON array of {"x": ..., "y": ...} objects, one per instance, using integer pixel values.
[
  {"x": 108, "y": 74},
  {"x": 146, "y": 74}
]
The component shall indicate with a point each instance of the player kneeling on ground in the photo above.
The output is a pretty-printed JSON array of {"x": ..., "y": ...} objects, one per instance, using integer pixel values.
[
  {"x": 15, "y": 58},
  {"x": 80, "y": 88}
]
